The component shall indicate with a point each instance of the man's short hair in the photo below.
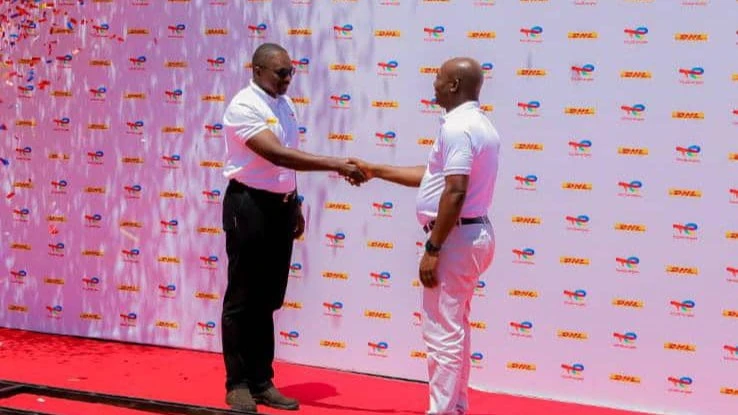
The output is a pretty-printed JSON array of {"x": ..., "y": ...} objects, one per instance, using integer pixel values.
[{"x": 262, "y": 53}]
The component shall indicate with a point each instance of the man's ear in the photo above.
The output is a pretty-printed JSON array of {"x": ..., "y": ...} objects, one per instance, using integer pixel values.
[{"x": 455, "y": 85}]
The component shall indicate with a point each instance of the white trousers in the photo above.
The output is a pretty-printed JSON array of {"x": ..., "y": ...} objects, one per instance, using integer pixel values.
[{"x": 466, "y": 254}]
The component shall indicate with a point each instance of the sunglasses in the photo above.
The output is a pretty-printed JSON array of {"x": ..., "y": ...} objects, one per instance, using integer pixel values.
[{"x": 284, "y": 72}]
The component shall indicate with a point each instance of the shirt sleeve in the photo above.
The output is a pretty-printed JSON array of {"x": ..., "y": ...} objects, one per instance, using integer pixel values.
[
  {"x": 457, "y": 151},
  {"x": 244, "y": 121}
]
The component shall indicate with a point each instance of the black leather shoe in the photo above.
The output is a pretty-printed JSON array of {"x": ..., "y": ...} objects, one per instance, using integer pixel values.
[
  {"x": 241, "y": 399},
  {"x": 274, "y": 398}
]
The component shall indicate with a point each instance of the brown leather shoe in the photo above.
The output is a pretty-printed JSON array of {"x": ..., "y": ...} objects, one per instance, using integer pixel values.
[
  {"x": 274, "y": 398},
  {"x": 241, "y": 399}
]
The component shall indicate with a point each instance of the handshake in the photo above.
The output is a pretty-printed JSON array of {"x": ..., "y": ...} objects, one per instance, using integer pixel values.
[{"x": 356, "y": 171}]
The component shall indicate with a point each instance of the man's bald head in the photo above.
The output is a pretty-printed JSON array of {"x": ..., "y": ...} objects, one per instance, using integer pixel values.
[{"x": 459, "y": 80}]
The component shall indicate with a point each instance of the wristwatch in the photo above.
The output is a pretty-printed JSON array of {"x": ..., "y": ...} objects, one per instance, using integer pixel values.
[{"x": 431, "y": 249}]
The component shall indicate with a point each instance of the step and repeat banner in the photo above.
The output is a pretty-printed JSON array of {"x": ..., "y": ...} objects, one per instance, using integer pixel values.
[{"x": 615, "y": 280}]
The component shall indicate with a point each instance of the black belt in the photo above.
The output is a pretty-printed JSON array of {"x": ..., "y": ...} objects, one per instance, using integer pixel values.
[
  {"x": 235, "y": 185},
  {"x": 461, "y": 221}
]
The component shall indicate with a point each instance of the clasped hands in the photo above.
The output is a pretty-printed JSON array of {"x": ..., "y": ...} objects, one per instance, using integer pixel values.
[{"x": 356, "y": 171}]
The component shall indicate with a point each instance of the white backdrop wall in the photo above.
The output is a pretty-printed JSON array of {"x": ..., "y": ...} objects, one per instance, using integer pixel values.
[{"x": 616, "y": 213}]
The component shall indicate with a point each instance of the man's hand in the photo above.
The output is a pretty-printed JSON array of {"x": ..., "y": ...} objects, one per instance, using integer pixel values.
[
  {"x": 427, "y": 271},
  {"x": 365, "y": 167},
  {"x": 299, "y": 223},
  {"x": 352, "y": 173}
]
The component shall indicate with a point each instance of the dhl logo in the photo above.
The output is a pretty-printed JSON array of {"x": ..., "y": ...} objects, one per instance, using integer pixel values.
[
  {"x": 481, "y": 35},
  {"x": 579, "y": 111},
  {"x": 335, "y": 275},
  {"x": 733, "y": 156},
  {"x": 95, "y": 190},
  {"x": 18, "y": 308},
  {"x": 301, "y": 100},
  {"x": 425, "y": 141},
  {"x": 523, "y": 293},
  {"x": 56, "y": 218},
  {"x": 206, "y": 296},
  {"x": 526, "y": 220},
  {"x": 61, "y": 31},
  {"x": 338, "y": 206},
  {"x": 129, "y": 288},
  {"x": 633, "y": 151},
  {"x": 730, "y": 313},
  {"x": 531, "y": 72},
  {"x": 332, "y": 344},
  {"x": 137, "y": 31},
  {"x": 576, "y": 186},
  {"x": 168, "y": 259},
  {"x": 23, "y": 185},
  {"x": 97, "y": 126},
  {"x": 731, "y": 235},
  {"x": 130, "y": 224},
  {"x": 25, "y": 123},
  {"x": 213, "y": 98},
  {"x": 345, "y": 67},
  {"x": 479, "y": 325},
  {"x": 101, "y": 62},
  {"x": 382, "y": 315},
  {"x": 385, "y": 104},
  {"x": 626, "y": 303},
  {"x": 171, "y": 195},
  {"x": 676, "y": 269},
  {"x": 58, "y": 156},
  {"x": 429, "y": 70},
  {"x": 680, "y": 347},
  {"x": 29, "y": 61},
  {"x": 380, "y": 244},
  {"x": 172, "y": 130},
  {"x": 54, "y": 281},
  {"x": 292, "y": 305},
  {"x": 526, "y": 367},
  {"x": 134, "y": 95},
  {"x": 212, "y": 230},
  {"x": 630, "y": 227},
  {"x": 92, "y": 252},
  {"x": 169, "y": 325},
  {"x": 691, "y": 37},
  {"x": 211, "y": 164},
  {"x": 59, "y": 93},
  {"x": 20, "y": 246},
  {"x": 583, "y": 35},
  {"x": 90, "y": 316},
  {"x": 636, "y": 74},
  {"x": 691, "y": 193},
  {"x": 618, "y": 377},
  {"x": 300, "y": 31},
  {"x": 417, "y": 354},
  {"x": 176, "y": 64},
  {"x": 573, "y": 335},
  {"x": 487, "y": 107},
  {"x": 216, "y": 31},
  {"x": 688, "y": 115},
  {"x": 341, "y": 137},
  {"x": 387, "y": 33},
  {"x": 570, "y": 260},
  {"x": 528, "y": 146},
  {"x": 729, "y": 391}
]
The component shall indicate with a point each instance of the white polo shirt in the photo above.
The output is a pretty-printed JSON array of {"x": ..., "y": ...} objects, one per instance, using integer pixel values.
[
  {"x": 250, "y": 112},
  {"x": 468, "y": 144}
]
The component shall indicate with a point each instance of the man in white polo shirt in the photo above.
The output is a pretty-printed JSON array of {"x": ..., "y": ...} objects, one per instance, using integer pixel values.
[
  {"x": 261, "y": 218},
  {"x": 456, "y": 188}
]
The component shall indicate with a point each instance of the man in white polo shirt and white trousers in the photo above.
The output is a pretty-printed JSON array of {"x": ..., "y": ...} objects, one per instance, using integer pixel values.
[{"x": 456, "y": 189}]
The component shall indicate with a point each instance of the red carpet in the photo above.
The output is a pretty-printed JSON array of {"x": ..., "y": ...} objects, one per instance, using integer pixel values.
[{"x": 197, "y": 378}]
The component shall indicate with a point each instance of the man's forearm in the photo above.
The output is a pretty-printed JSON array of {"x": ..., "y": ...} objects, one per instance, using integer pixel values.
[
  {"x": 449, "y": 210},
  {"x": 407, "y": 176},
  {"x": 302, "y": 161}
]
